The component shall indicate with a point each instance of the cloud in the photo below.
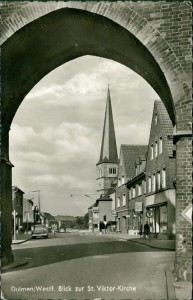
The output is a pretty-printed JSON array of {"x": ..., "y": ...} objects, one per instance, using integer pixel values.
[{"x": 56, "y": 135}]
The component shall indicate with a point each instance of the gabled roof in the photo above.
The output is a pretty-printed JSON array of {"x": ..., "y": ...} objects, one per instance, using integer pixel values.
[
  {"x": 48, "y": 216},
  {"x": 131, "y": 153},
  {"x": 166, "y": 124},
  {"x": 108, "y": 146}
]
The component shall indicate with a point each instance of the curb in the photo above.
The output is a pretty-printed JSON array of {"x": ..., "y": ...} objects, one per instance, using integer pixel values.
[
  {"x": 149, "y": 245},
  {"x": 170, "y": 284},
  {"x": 14, "y": 265},
  {"x": 21, "y": 242}
]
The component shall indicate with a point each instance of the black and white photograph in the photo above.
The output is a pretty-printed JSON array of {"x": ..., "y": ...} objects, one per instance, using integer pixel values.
[{"x": 96, "y": 150}]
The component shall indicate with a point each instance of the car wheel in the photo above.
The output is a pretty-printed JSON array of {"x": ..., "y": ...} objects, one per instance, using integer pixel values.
[{"x": 46, "y": 237}]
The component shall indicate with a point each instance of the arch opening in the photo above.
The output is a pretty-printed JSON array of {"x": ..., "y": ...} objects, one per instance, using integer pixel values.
[{"x": 65, "y": 34}]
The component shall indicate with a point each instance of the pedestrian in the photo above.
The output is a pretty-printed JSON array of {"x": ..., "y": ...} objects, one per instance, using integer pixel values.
[
  {"x": 140, "y": 230},
  {"x": 147, "y": 230}
]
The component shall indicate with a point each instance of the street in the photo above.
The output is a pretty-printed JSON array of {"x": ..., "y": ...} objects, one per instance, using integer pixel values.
[{"x": 75, "y": 266}]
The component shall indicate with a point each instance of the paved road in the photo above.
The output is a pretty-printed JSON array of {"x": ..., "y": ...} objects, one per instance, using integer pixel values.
[{"x": 87, "y": 267}]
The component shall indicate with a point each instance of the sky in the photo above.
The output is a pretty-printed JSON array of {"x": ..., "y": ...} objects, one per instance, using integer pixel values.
[{"x": 56, "y": 134}]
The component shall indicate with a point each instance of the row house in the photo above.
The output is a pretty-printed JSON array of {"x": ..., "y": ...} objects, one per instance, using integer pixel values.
[
  {"x": 160, "y": 197},
  {"x": 136, "y": 195},
  {"x": 126, "y": 171},
  {"x": 152, "y": 194},
  {"x": 17, "y": 207}
]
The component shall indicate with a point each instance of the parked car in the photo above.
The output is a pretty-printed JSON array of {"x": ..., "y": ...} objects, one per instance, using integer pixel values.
[
  {"x": 61, "y": 230},
  {"x": 40, "y": 231}
]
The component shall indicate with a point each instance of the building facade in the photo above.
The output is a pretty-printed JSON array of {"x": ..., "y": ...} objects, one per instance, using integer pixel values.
[
  {"x": 160, "y": 197},
  {"x": 137, "y": 191},
  {"x": 126, "y": 171},
  {"x": 100, "y": 213},
  {"x": 17, "y": 207}
]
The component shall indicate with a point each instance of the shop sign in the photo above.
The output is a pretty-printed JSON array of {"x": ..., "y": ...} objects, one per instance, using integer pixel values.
[
  {"x": 187, "y": 213},
  {"x": 138, "y": 206}
]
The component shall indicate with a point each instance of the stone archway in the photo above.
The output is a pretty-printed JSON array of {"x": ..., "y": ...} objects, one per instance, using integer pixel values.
[{"x": 39, "y": 40}]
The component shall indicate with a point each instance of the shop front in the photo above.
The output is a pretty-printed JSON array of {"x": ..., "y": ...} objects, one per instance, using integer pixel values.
[
  {"x": 135, "y": 217},
  {"x": 161, "y": 215}
]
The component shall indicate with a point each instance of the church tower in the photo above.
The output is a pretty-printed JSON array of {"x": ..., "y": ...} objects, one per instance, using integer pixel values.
[{"x": 107, "y": 166}]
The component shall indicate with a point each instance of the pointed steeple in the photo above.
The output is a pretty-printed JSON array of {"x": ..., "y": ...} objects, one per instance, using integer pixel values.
[{"x": 108, "y": 146}]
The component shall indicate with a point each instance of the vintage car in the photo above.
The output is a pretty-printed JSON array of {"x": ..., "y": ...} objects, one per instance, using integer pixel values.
[{"x": 40, "y": 231}]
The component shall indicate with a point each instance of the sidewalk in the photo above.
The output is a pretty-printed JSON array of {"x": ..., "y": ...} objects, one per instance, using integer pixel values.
[
  {"x": 175, "y": 290},
  {"x": 21, "y": 238},
  {"x": 153, "y": 243}
]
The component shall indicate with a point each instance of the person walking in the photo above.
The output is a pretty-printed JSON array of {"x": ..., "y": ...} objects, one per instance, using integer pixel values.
[{"x": 147, "y": 230}]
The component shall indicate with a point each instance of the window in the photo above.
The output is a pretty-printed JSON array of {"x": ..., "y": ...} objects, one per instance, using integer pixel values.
[
  {"x": 152, "y": 151},
  {"x": 114, "y": 170},
  {"x": 155, "y": 119},
  {"x": 123, "y": 179},
  {"x": 118, "y": 202},
  {"x": 160, "y": 145},
  {"x": 119, "y": 182},
  {"x": 129, "y": 194},
  {"x": 153, "y": 183},
  {"x": 95, "y": 215},
  {"x": 149, "y": 184},
  {"x": 133, "y": 192},
  {"x": 139, "y": 189},
  {"x": 110, "y": 171},
  {"x": 163, "y": 178},
  {"x": 124, "y": 199},
  {"x": 156, "y": 149},
  {"x": 158, "y": 180},
  {"x": 144, "y": 187}
]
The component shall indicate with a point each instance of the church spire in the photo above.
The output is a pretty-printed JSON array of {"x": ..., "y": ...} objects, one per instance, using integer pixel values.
[{"x": 108, "y": 146}]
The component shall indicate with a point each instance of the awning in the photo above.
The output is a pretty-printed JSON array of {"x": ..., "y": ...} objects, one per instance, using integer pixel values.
[{"x": 156, "y": 205}]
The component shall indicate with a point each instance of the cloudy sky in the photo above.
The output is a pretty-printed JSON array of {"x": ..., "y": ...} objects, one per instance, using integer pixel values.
[{"x": 56, "y": 134}]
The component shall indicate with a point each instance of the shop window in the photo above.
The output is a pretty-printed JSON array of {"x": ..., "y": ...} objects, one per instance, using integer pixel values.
[
  {"x": 163, "y": 178},
  {"x": 156, "y": 149},
  {"x": 160, "y": 145},
  {"x": 153, "y": 183},
  {"x": 149, "y": 184},
  {"x": 158, "y": 180},
  {"x": 118, "y": 202},
  {"x": 124, "y": 199},
  {"x": 151, "y": 157}
]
